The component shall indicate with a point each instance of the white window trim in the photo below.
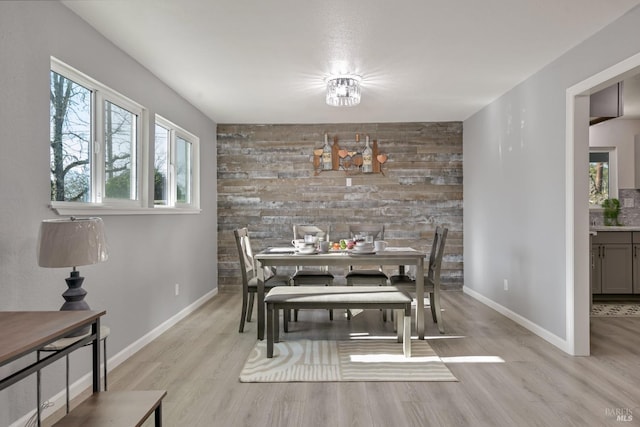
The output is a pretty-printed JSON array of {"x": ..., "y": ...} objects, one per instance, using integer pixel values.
[
  {"x": 174, "y": 132},
  {"x": 80, "y": 209},
  {"x": 102, "y": 96},
  {"x": 143, "y": 205}
]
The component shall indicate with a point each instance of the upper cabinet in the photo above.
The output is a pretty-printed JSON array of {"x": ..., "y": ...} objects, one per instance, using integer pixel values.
[{"x": 606, "y": 104}]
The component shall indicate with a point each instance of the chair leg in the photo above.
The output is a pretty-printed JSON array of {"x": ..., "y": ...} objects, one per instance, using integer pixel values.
[
  {"x": 250, "y": 309},
  {"x": 243, "y": 313},
  {"x": 286, "y": 317},
  {"x": 433, "y": 308},
  {"x": 436, "y": 313}
]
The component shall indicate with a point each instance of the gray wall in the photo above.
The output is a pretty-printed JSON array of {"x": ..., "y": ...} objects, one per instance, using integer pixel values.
[
  {"x": 619, "y": 133},
  {"x": 514, "y": 182},
  {"x": 266, "y": 182},
  {"x": 148, "y": 254}
]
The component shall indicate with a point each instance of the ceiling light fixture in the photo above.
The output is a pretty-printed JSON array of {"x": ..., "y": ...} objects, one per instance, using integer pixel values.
[{"x": 343, "y": 90}]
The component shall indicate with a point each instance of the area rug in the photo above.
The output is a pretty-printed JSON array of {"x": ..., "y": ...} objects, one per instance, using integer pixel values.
[
  {"x": 355, "y": 360},
  {"x": 615, "y": 310}
]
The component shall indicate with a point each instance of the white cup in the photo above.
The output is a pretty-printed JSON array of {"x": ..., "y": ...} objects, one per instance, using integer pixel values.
[
  {"x": 380, "y": 245},
  {"x": 298, "y": 243}
]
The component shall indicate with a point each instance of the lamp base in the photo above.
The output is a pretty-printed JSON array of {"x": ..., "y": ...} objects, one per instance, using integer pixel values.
[{"x": 74, "y": 299}]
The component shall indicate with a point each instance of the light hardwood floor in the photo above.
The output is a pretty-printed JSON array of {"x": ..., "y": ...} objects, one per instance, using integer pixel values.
[{"x": 199, "y": 360}]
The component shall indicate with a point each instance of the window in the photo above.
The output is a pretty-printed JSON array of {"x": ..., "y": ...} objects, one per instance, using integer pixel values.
[
  {"x": 120, "y": 143},
  {"x": 603, "y": 182},
  {"x": 71, "y": 136},
  {"x": 175, "y": 173},
  {"x": 97, "y": 147}
]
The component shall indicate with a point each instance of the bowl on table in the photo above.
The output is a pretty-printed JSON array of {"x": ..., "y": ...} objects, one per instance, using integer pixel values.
[
  {"x": 306, "y": 250},
  {"x": 363, "y": 247}
]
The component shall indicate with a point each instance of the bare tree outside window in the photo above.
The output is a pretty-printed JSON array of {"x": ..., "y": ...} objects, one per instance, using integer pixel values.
[
  {"x": 161, "y": 166},
  {"x": 598, "y": 177},
  {"x": 101, "y": 156},
  {"x": 120, "y": 146},
  {"x": 70, "y": 140},
  {"x": 183, "y": 170},
  {"x": 71, "y": 136}
]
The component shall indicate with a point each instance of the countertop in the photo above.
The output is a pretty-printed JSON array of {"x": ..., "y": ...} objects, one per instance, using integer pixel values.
[{"x": 614, "y": 228}]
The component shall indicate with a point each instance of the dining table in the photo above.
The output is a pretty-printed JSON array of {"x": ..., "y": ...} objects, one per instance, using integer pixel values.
[{"x": 391, "y": 256}]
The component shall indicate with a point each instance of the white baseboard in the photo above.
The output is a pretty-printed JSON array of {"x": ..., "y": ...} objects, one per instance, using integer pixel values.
[
  {"x": 561, "y": 343},
  {"x": 59, "y": 400}
]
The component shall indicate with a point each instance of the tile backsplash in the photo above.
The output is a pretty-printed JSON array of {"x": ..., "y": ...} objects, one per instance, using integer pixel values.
[{"x": 629, "y": 216}]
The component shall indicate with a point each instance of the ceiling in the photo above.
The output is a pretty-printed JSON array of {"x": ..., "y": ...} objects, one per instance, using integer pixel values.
[{"x": 242, "y": 61}]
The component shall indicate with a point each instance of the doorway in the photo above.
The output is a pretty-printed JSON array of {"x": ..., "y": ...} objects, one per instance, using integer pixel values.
[{"x": 577, "y": 211}]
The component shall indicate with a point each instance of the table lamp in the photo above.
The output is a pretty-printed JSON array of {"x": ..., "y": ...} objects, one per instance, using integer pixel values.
[{"x": 71, "y": 243}]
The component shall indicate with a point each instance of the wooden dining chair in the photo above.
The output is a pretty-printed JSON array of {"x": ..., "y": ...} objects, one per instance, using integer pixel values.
[
  {"x": 305, "y": 275},
  {"x": 372, "y": 276},
  {"x": 366, "y": 276},
  {"x": 249, "y": 274},
  {"x": 432, "y": 279}
]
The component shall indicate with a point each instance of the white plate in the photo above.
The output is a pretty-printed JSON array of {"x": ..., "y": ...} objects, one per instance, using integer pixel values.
[
  {"x": 306, "y": 253},
  {"x": 281, "y": 250},
  {"x": 363, "y": 252}
]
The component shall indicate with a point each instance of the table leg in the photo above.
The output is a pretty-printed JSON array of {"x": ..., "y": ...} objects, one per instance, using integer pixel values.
[
  {"x": 158, "y": 415},
  {"x": 276, "y": 325},
  {"x": 406, "y": 343},
  {"x": 420, "y": 298},
  {"x": 95, "y": 329},
  {"x": 399, "y": 325},
  {"x": 38, "y": 394},
  {"x": 260, "y": 301},
  {"x": 66, "y": 361},
  {"x": 104, "y": 356}
]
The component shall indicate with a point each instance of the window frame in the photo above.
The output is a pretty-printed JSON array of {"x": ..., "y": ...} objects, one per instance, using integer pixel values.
[
  {"x": 176, "y": 132},
  {"x": 143, "y": 203},
  {"x": 99, "y": 147}
]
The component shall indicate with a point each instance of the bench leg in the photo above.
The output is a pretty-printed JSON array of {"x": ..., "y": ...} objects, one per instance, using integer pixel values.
[
  {"x": 406, "y": 343},
  {"x": 270, "y": 330}
]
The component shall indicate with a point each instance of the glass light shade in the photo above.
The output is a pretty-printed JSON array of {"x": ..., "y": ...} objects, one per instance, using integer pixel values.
[
  {"x": 71, "y": 242},
  {"x": 343, "y": 91}
]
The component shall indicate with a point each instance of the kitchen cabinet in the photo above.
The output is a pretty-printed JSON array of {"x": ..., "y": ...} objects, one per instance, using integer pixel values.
[{"x": 613, "y": 261}]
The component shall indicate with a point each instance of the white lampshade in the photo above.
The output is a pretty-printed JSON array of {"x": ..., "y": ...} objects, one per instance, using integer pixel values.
[{"x": 71, "y": 242}]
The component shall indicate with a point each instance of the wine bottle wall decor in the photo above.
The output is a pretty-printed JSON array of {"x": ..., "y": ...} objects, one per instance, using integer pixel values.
[{"x": 352, "y": 158}]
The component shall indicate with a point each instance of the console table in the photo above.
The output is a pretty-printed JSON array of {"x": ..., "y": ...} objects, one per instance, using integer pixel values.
[{"x": 25, "y": 332}]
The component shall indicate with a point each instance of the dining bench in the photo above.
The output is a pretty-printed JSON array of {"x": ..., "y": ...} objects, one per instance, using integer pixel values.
[{"x": 339, "y": 297}]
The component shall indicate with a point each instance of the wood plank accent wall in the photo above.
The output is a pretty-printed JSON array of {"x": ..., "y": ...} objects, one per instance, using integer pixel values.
[{"x": 266, "y": 182}]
